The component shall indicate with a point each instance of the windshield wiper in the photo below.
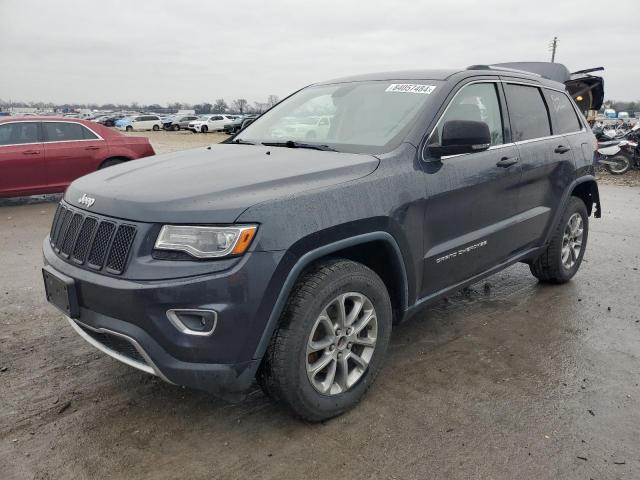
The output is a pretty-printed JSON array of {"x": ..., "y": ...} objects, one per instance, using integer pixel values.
[{"x": 292, "y": 144}]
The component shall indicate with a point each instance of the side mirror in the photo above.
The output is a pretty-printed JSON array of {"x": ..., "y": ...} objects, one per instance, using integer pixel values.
[{"x": 462, "y": 136}]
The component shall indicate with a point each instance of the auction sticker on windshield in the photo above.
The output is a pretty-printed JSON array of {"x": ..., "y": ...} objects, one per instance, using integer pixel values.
[{"x": 410, "y": 88}]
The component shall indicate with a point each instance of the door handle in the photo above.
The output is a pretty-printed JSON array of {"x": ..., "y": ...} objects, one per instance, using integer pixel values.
[
  {"x": 31, "y": 152},
  {"x": 562, "y": 149},
  {"x": 506, "y": 162},
  {"x": 92, "y": 147}
]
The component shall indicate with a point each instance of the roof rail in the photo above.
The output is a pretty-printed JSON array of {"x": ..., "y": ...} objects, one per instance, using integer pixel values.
[{"x": 499, "y": 68}]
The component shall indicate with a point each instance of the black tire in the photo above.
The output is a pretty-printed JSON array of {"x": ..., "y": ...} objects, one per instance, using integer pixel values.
[
  {"x": 283, "y": 373},
  {"x": 549, "y": 267},
  {"x": 156, "y": 128},
  {"x": 175, "y": 128},
  {"x": 129, "y": 128},
  {"x": 204, "y": 129},
  {"x": 110, "y": 163},
  {"x": 622, "y": 167}
]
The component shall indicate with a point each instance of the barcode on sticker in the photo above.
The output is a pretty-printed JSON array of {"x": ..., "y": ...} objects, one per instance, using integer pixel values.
[{"x": 410, "y": 88}]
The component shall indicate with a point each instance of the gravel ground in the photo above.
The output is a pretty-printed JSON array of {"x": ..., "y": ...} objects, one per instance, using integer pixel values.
[{"x": 509, "y": 379}]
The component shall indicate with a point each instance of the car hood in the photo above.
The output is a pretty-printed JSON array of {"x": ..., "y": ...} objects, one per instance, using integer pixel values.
[{"x": 211, "y": 185}]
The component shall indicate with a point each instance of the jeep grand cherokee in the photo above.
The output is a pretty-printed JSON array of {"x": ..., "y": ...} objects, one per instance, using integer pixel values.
[{"x": 287, "y": 257}]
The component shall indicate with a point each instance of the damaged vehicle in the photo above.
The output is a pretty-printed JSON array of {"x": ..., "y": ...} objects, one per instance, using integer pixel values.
[{"x": 288, "y": 260}]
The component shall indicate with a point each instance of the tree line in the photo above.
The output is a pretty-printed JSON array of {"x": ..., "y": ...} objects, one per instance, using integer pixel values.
[{"x": 239, "y": 105}]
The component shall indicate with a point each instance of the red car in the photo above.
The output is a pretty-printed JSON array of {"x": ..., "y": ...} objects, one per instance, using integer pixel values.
[{"x": 45, "y": 154}]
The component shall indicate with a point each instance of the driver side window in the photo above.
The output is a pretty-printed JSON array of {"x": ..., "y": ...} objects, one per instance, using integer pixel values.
[{"x": 476, "y": 102}]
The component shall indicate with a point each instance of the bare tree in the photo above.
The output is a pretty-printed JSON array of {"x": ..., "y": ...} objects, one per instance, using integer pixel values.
[
  {"x": 272, "y": 100},
  {"x": 220, "y": 106},
  {"x": 240, "y": 105}
]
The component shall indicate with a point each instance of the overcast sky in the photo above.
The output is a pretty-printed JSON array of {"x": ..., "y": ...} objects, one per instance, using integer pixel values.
[{"x": 161, "y": 51}]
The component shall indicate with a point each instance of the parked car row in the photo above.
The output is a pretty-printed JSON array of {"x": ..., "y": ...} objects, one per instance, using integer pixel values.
[{"x": 227, "y": 123}]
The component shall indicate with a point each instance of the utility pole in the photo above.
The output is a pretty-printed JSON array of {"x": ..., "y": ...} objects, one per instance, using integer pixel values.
[{"x": 553, "y": 46}]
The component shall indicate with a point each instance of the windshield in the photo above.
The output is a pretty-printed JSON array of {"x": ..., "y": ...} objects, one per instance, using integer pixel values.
[{"x": 358, "y": 117}]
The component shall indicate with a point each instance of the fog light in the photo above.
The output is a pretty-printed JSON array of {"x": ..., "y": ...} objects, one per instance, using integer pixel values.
[{"x": 193, "y": 321}]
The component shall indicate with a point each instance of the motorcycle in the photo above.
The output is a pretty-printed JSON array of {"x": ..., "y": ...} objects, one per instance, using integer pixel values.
[{"x": 618, "y": 156}]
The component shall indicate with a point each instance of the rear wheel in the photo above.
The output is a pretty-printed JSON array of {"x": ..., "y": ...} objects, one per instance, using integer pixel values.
[
  {"x": 175, "y": 128},
  {"x": 562, "y": 258},
  {"x": 129, "y": 128},
  {"x": 622, "y": 164},
  {"x": 331, "y": 341}
]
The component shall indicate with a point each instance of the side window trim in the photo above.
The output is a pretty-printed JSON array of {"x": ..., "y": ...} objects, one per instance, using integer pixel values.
[
  {"x": 523, "y": 81},
  {"x": 44, "y": 139}
]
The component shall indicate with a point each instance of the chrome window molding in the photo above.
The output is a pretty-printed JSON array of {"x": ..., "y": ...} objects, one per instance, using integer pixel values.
[{"x": 519, "y": 142}]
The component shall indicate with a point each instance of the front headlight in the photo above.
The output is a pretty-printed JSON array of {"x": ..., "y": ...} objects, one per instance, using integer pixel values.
[{"x": 206, "y": 242}]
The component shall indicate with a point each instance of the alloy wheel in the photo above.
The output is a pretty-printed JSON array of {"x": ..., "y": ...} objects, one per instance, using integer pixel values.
[
  {"x": 572, "y": 241},
  {"x": 341, "y": 343}
]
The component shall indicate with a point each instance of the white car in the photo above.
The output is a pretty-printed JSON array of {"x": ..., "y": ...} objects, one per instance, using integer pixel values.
[
  {"x": 211, "y": 123},
  {"x": 307, "y": 128},
  {"x": 141, "y": 122}
]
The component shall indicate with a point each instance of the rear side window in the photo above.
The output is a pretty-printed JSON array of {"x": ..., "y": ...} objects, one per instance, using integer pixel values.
[
  {"x": 66, "y": 131},
  {"x": 563, "y": 116},
  {"x": 17, "y": 133},
  {"x": 527, "y": 111}
]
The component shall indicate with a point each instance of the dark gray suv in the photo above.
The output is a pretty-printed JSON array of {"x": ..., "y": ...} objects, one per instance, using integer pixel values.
[{"x": 287, "y": 260}]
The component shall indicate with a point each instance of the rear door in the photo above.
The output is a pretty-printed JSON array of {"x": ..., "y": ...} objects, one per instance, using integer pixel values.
[
  {"x": 71, "y": 150},
  {"x": 471, "y": 198},
  {"x": 22, "y": 169},
  {"x": 568, "y": 122},
  {"x": 547, "y": 160}
]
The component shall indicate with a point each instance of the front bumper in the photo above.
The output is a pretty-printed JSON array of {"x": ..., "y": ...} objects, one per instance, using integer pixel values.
[{"x": 127, "y": 319}]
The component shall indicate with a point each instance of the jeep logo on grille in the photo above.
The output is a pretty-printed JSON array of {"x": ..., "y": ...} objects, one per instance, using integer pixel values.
[{"x": 85, "y": 200}]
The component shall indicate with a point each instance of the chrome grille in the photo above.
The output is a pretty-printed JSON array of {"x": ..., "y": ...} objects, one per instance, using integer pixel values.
[{"x": 91, "y": 241}]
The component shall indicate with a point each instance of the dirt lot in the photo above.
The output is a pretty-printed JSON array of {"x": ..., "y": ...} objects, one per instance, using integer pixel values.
[
  {"x": 165, "y": 142},
  {"x": 511, "y": 379}
]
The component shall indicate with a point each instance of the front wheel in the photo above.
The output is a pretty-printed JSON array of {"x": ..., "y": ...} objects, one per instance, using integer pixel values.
[
  {"x": 622, "y": 164},
  {"x": 562, "y": 258},
  {"x": 331, "y": 341},
  {"x": 129, "y": 128},
  {"x": 156, "y": 128},
  {"x": 204, "y": 129}
]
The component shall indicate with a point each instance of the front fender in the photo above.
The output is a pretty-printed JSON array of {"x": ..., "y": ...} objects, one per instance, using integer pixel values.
[{"x": 301, "y": 262}]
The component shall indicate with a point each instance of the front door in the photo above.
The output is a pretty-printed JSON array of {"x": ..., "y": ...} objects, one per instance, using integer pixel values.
[
  {"x": 471, "y": 198},
  {"x": 22, "y": 169}
]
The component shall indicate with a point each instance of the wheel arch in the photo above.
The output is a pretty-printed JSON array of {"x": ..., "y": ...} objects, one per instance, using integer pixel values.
[
  {"x": 587, "y": 191},
  {"x": 584, "y": 187},
  {"x": 113, "y": 157},
  {"x": 390, "y": 267}
]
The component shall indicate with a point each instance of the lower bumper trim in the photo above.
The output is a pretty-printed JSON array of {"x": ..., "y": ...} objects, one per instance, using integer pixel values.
[{"x": 147, "y": 367}]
